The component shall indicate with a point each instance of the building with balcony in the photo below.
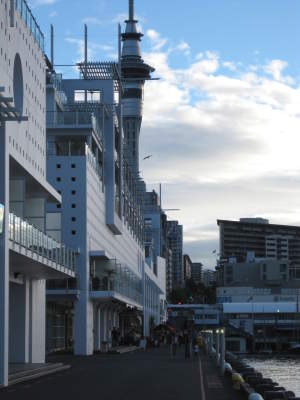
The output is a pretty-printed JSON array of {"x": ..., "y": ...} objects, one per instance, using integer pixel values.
[
  {"x": 28, "y": 253},
  {"x": 101, "y": 214}
]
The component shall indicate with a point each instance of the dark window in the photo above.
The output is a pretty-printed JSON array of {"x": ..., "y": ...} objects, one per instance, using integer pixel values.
[
  {"x": 59, "y": 191},
  {"x": 58, "y": 205},
  {"x": 73, "y": 205},
  {"x": 73, "y": 179},
  {"x": 73, "y": 219},
  {"x": 73, "y": 232},
  {"x": 58, "y": 179},
  {"x": 73, "y": 165},
  {"x": 73, "y": 192},
  {"x": 58, "y": 166}
]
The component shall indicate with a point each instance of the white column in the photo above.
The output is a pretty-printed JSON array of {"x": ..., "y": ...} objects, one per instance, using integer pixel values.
[
  {"x": 83, "y": 319},
  {"x": 4, "y": 259},
  {"x": 97, "y": 328},
  {"x": 19, "y": 311},
  {"x": 37, "y": 321}
]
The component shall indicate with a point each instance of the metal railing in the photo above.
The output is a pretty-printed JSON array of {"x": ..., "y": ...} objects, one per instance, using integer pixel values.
[
  {"x": 74, "y": 118},
  {"x": 121, "y": 280},
  {"x": 30, "y": 22},
  {"x": 31, "y": 238}
]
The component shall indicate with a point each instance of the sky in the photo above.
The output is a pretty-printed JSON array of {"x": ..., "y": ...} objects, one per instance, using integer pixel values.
[{"x": 222, "y": 123}]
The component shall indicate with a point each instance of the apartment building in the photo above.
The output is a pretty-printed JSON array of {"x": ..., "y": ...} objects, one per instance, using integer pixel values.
[
  {"x": 265, "y": 240},
  {"x": 28, "y": 254},
  {"x": 187, "y": 267},
  {"x": 175, "y": 243}
]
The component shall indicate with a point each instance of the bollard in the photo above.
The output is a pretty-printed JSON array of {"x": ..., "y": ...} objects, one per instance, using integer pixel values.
[
  {"x": 237, "y": 379},
  {"x": 222, "y": 351},
  {"x": 217, "y": 347}
]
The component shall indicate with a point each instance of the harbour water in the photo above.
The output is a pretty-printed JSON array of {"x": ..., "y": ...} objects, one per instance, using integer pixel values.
[{"x": 282, "y": 369}]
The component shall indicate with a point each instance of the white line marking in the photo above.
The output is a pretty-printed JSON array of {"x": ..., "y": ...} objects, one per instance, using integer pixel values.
[{"x": 203, "y": 395}]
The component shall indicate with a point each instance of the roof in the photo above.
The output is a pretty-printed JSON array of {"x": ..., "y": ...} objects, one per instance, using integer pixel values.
[
  {"x": 219, "y": 221},
  {"x": 263, "y": 308},
  {"x": 100, "y": 70}
]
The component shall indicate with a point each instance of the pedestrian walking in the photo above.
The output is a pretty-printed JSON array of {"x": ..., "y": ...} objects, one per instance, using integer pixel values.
[
  {"x": 174, "y": 344},
  {"x": 187, "y": 345}
]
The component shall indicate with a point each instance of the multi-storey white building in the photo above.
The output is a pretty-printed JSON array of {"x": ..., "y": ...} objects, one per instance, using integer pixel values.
[
  {"x": 100, "y": 214},
  {"x": 28, "y": 255}
]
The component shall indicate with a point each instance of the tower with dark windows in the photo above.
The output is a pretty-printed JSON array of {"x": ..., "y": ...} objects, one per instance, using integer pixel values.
[{"x": 134, "y": 73}]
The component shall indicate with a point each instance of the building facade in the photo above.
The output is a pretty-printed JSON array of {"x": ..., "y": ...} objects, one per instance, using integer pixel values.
[
  {"x": 196, "y": 272},
  {"x": 265, "y": 240},
  {"x": 187, "y": 267},
  {"x": 175, "y": 243},
  {"x": 28, "y": 254},
  {"x": 102, "y": 213}
]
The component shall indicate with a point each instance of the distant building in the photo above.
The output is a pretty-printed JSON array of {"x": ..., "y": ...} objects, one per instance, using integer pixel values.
[
  {"x": 265, "y": 240},
  {"x": 169, "y": 272},
  {"x": 197, "y": 272},
  {"x": 208, "y": 277},
  {"x": 175, "y": 243},
  {"x": 187, "y": 267}
]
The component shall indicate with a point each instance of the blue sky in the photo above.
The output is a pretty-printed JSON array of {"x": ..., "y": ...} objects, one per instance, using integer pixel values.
[{"x": 223, "y": 122}]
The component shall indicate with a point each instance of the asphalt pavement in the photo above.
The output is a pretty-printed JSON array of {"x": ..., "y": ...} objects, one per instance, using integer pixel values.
[{"x": 141, "y": 375}]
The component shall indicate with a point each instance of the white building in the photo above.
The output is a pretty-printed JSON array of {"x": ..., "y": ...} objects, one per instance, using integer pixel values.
[
  {"x": 100, "y": 214},
  {"x": 27, "y": 255}
]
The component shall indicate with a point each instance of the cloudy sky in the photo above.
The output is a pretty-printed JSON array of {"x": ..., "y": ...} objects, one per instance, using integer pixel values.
[{"x": 223, "y": 122}]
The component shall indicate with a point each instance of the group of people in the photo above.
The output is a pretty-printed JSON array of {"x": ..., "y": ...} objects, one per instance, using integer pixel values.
[{"x": 191, "y": 341}]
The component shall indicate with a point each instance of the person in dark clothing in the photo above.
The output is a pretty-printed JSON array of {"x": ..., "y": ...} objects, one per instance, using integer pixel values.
[{"x": 187, "y": 345}]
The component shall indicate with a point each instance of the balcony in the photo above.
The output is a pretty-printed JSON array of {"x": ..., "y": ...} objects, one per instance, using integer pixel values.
[
  {"x": 30, "y": 247},
  {"x": 116, "y": 281},
  {"x": 75, "y": 120}
]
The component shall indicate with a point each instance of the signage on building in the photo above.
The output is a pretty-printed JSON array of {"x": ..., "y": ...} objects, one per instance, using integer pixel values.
[{"x": 1, "y": 218}]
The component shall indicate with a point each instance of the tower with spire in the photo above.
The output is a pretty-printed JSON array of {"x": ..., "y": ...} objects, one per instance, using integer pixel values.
[{"x": 134, "y": 74}]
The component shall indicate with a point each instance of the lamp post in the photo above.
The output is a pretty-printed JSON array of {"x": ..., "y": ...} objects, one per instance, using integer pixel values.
[{"x": 217, "y": 347}]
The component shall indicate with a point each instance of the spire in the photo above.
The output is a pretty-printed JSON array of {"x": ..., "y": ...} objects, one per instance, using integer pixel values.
[{"x": 131, "y": 10}]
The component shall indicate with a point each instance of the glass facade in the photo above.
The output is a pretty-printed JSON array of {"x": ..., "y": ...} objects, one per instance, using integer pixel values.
[
  {"x": 118, "y": 278},
  {"x": 24, "y": 234}
]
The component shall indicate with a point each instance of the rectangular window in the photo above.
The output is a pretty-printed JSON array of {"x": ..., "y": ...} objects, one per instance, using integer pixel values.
[{"x": 92, "y": 96}]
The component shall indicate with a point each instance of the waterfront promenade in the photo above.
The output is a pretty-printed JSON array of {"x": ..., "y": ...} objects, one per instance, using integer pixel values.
[{"x": 149, "y": 375}]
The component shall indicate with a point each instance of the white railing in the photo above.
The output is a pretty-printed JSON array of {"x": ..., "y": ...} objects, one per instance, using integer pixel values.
[{"x": 29, "y": 237}]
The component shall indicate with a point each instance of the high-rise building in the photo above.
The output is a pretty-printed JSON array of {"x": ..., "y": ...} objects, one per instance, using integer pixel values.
[
  {"x": 101, "y": 213},
  {"x": 187, "y": 267},
  {"x": 197, "y": 272},
  {"x": 28, "y": 255},
  {"x": 265, "y": 240},
  {"x": 175, "y": 243}
]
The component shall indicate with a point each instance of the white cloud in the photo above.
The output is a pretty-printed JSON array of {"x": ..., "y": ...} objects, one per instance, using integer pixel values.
[
  {"x": 275, "y": 68},
  {"x": 53, "y": 14},
  {"x": 183, "y": 47},
  {"x": 157, "y": 41},
  {"x": 224, "y": 144}
]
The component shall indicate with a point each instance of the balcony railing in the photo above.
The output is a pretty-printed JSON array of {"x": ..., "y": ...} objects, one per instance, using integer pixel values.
[
  {"x": 78, "y": 119},
  {"x": 119, "y": 279},
  {"x": 29, "y": 237},
  {"x": 30, "y": 22}
]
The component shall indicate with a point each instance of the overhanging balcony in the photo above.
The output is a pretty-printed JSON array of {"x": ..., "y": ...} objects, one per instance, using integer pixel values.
[
  {"x": 35, "y": 254},
  {"x": 75, "y": 120},
  {"x": 117, "y": 282}
]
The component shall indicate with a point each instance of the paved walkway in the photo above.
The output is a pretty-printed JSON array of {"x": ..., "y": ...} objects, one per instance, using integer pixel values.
[{"x": 150, "y": 375}]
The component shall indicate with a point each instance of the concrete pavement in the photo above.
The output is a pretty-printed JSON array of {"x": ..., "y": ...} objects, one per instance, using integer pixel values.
[{"x": 149, "y": 375}]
